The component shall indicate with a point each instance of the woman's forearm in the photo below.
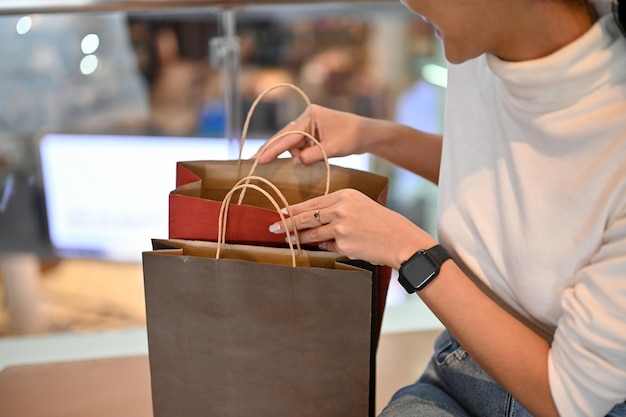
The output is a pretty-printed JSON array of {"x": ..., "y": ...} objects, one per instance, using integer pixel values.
[
  {"x": 414, "y": 150},
  {"x": 515, "y": 356}
]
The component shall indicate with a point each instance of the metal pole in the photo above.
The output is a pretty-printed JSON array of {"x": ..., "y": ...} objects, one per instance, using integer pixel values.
[{"x": 225, "y": 54}]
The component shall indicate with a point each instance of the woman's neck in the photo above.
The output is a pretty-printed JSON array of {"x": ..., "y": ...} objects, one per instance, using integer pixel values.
[{"x": 544, "y": 29}]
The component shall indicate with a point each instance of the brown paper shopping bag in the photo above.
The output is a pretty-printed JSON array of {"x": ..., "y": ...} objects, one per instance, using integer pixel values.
[{"x": 241, "y": 330}]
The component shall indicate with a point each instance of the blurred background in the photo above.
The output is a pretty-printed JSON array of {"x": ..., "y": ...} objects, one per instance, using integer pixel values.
[{"x": 96, "y": 108}]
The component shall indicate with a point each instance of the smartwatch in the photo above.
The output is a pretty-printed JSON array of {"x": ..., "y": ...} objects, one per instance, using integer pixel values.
[{"x": 421, "y": 268}]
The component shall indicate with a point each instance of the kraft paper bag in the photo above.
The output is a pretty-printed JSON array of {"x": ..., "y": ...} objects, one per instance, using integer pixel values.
[
  {"x": 250, "y": 334},
  {"x": 201, "y": 186}
]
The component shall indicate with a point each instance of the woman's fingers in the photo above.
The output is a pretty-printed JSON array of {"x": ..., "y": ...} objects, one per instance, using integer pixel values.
[
  {"x": 292, "y": 143},
  {"x": 309, "y": 228},
  {"x": 308, "y": 214},
  {"x": 314, "y": 219},
  {"x": 300, "y": 146}
]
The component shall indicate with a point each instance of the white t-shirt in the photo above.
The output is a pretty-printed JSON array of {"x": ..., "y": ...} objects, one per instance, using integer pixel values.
[{"x": 532, "y": 203}]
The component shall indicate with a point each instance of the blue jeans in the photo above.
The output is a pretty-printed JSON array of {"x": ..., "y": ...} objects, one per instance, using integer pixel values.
[{"x": 453, "y": 385}]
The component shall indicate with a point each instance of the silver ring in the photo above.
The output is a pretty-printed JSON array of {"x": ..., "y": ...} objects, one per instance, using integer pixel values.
[{"x": 316, "y": 214}]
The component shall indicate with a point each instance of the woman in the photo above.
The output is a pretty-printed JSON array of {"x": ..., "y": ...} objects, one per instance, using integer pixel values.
[{"x": 532, "y": 210}]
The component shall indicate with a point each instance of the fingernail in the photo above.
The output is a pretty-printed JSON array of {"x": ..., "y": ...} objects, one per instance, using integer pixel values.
[
  {"x": 284, "y": 211},
  {"x": 275, "y": 228},
  {"x": 323, "y": 246},
  {"x": 291, "y": 238}
]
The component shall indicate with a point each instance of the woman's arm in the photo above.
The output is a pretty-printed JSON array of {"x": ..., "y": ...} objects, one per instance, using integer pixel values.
[
  {"x": 511, "y": 353},
  {"x": 342, "y": 134},
  {"x": 360, "y": 228},
  {"x": 414, "y": 150}
]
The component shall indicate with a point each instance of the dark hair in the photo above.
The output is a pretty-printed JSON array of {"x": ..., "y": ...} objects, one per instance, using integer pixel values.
[{"x": 619, "y": 13}]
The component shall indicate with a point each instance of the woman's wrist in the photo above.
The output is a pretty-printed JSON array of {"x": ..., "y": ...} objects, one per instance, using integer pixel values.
[{"x": 409, "y": 246}]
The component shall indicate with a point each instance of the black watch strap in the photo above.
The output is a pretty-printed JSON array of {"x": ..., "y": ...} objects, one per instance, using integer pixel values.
[{"x": 439, "y": 254}]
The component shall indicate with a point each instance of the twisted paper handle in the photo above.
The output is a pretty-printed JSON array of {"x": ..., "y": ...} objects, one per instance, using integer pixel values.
[
  {"x": 244, "y": 184},
  {"x": 246, "y": 124},
  {"x": 271, "y": 141}
]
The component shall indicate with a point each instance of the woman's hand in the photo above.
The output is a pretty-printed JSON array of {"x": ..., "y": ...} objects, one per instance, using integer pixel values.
[
  {"x": 354, "y": 225},
  {"x": 339, "y": 133}
]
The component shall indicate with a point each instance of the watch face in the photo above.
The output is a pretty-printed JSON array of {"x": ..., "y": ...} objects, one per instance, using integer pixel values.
[{"x": 420, "y": 269}]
